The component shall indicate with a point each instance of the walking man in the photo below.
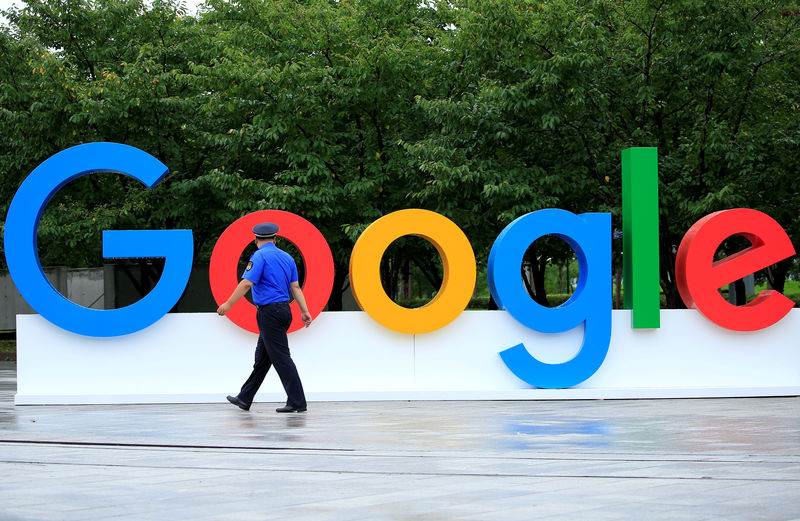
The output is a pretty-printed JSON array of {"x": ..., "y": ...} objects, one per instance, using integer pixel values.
[{"x": 271, "y": 274}]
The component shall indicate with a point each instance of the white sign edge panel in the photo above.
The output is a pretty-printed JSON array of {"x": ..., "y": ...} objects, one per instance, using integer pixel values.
[{"x": 346, "y": 356}]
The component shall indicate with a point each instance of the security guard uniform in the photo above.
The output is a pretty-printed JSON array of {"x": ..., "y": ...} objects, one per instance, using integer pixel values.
[{"x": 272, "y": 270}]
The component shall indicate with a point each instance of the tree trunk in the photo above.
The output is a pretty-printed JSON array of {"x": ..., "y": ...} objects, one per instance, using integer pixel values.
[
  {"x": 430, "y": 271},
  {"x": 406, "y": 284},
  {"x": 776, "y": 274},
  {"x": 538, "y": 282},
  {"x": 386, "y": 278},
  {"x": 672, "y": 296},
  {"x": 740, "y": 292},
  {"x": 533, "y": 275},
  {"x": 389, "y": 274},
  {"x": 561, "y": 285},
  {"x": 339, "y": 285},
  {"x": 669, "y": 283}
]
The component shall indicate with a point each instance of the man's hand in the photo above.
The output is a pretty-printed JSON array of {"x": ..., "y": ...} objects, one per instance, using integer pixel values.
[
  {"x": 224, "y": 308},
  {"x": 305, "y": 316},
  {"x": 243, "y": 287},
  {"x": 297, "y": 293}
]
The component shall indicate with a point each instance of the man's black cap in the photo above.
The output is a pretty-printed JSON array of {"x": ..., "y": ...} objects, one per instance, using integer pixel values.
[{"x": 265, "y": 230}]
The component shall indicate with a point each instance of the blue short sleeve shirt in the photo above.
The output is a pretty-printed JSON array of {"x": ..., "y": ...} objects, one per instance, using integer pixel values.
[{"x": 271, "y": 270}]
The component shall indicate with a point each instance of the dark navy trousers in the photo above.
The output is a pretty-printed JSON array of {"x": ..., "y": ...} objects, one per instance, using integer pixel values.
[{"x": 272, "y": 349}]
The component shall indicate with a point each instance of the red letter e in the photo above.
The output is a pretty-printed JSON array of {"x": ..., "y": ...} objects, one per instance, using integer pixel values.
[{"x": 699, "y": 276}]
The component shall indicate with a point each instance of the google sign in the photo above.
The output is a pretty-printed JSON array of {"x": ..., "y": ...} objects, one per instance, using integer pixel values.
[{"x": 589, "y": 235}]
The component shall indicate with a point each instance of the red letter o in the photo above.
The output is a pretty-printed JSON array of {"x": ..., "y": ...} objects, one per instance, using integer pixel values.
[{"x": 314, "y": 249}]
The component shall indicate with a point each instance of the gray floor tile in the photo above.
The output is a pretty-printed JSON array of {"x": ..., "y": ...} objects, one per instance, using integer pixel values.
[{"x": 732, "y": 459}]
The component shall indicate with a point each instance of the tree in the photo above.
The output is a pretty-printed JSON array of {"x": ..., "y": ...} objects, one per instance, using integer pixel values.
[
  {"x": 342, "y": 112},
  {"x": 324, "y": 94},
  {"x": 553, "y": 92},
  {"x": 111, "y": 70}
]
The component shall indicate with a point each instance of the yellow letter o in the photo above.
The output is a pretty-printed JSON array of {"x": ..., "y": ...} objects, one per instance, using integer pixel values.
[{"x": 458, "y": 263}]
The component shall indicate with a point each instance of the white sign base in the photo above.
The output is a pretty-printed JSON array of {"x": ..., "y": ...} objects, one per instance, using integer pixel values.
[{"x": 197, "y": 358}]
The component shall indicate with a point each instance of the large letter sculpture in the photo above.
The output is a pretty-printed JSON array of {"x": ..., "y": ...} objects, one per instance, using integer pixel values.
[
  {"x": 699, "y": 276},
  {"x": 458, "y": 271},
  {"x": 640, "y": 268},
  {"x": 313, "y": 247},
  {"x": 22, "y": 255},
  {"x": 590, "y": 236}
]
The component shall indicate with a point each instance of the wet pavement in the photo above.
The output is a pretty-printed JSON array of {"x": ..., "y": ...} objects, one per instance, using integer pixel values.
[{"x": 615, "y": 459}]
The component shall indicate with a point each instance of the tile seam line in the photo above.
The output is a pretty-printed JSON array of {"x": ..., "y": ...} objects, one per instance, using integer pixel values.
[
  {"x": 165, "y": 446},
  {"x": 368, "y": 453},
  {"x": 379, "y": 473}
]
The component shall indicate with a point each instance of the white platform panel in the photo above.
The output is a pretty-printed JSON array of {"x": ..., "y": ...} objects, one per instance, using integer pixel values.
[{"x": 202, "y": 357}]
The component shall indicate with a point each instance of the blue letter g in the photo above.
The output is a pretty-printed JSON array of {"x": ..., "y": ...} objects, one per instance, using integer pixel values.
[
  {"x": 589, "y": 235},
  {"x": 22, "y": 254}
]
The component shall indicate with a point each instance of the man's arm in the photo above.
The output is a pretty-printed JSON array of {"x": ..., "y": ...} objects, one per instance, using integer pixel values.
[
  {"x": 243, "y": 287},
  {"x": 297, "y": 293}
]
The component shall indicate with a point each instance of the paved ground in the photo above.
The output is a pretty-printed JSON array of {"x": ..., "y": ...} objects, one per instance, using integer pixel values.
[{"x": 595, "y": 460}]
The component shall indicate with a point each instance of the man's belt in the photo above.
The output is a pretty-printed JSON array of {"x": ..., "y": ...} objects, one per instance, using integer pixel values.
[{"x": 259, "y": 306}]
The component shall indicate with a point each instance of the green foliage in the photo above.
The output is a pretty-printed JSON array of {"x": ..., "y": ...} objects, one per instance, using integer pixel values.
[
  {"x": 86, "y": 71},
  {"x": 548, "y": 94},
  {"x": 482, "y": 110},
  {"x": 8, "y": 350}
]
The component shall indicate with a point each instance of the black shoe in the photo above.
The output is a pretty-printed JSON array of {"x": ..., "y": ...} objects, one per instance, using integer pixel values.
[
  {"x": 289, "y": 408},
  {"x": 238, "y": 403}
]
